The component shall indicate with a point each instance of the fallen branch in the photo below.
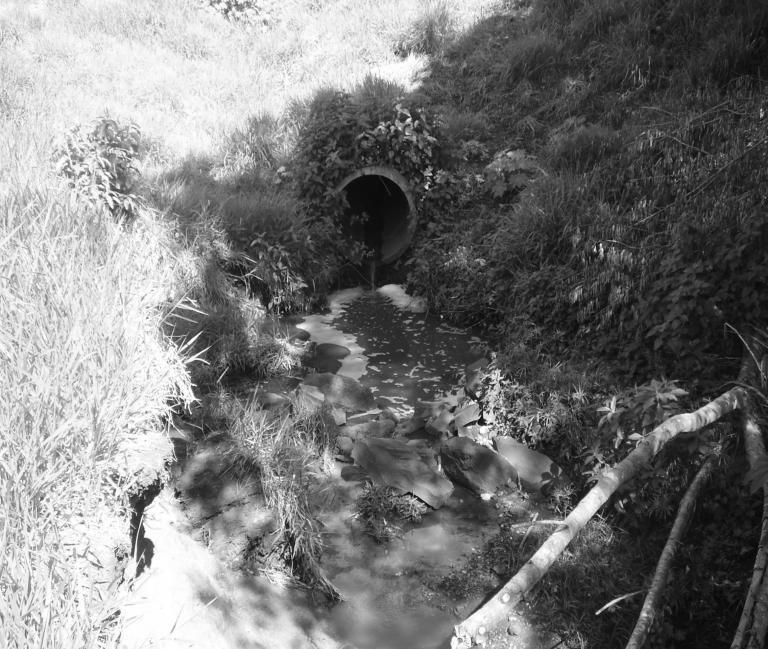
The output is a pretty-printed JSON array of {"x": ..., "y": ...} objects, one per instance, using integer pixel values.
[
  {"x": 749, "y": 632},
  {"x": 488, "y": 620},
  {"x": 751, "y": 628},
  {"x": 675, "y": 538}
]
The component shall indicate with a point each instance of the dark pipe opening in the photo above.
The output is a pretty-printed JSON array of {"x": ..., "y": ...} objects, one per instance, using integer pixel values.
[{"x": 380, "y": 213}]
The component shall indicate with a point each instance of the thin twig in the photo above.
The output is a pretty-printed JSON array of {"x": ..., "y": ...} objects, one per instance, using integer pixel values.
[
  {"x": 530, "y": 524},
  {"x": 618, "y": 599}
]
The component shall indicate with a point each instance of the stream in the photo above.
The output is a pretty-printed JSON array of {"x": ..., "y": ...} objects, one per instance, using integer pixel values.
[
  {"x": 197, "y": 588},
  {"x": 403, "y": 356}
]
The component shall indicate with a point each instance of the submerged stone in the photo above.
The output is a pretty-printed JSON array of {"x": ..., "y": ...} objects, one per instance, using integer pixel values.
[
  {"x": 310, "y": 396},
  {"x": 269, "y": 400},
  {"x": 470, "y": 413},
  {"x": 473, "y": 377},
  {"x": 440, "y": 425},
  {"x": 408, "y": 427},
  {"x": 344, "y": 445}
]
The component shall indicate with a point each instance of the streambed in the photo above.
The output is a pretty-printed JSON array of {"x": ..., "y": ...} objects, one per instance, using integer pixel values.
[
  {"x": 404, "y": 357},
  {"x": 198, "y": 588}
]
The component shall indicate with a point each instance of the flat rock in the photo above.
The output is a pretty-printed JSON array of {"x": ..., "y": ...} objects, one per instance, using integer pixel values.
[
  {"x": 380, "y": 428},
  {"x": 345, "y": 444},
  {"x": 342, "y": 391},
  {"x": 387, "y": 413},
  {"x": 310, "y": 395},
  {"x": 339, "y": 416},
  {"x": 328, "y": 357},
  {"x": 395, "y": 463},
  {"x": 534, "y": 469},
  {"x": 476, "y": 467},
  {"x": 477, "y": 433},
  {"x": 426, "y": 410},
  {"x": 296, "y": 334}
]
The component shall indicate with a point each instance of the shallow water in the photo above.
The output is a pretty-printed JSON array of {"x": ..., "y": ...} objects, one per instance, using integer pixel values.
[
  {"x": 397, "y": 350},
  {"x": 387, "y": 600},
  {"x": 404, "y": 356}
]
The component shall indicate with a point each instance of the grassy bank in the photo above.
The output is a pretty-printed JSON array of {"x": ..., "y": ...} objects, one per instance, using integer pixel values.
[
  {"x": 607, "y": 226},
  {"x": 95, "y": 313},
  {"x": 619, "y": 205}
]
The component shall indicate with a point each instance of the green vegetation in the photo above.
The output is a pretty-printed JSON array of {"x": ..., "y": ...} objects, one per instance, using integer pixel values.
[
  {"x": 643, "y": 232},
  {"x": 590, "y": 177},
  {"x": 380, "y": 508},
  {"x": 290, "y": 449}
]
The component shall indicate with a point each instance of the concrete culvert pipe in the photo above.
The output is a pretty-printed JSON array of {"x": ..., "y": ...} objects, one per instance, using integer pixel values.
[{"x": 382, "y": 213}]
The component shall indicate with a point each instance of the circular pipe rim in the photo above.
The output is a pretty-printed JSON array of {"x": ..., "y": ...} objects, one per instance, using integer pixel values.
[{"x": 404, "y": 186}]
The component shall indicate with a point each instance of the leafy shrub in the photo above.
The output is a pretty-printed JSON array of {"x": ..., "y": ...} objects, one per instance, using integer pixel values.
[
  {"x": 548, "y": 406},
  {"x": 509, "y": 173},
  {"x": 271, "y": 272},
  {"x": 99, "y": 163},
  {"x": 341, "y": 136},
  {"x": 285, "y": 259}
]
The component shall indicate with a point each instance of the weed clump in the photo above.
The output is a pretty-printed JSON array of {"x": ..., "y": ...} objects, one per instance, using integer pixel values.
[
  {"x": 379, "y": 508},
  {"x": 291, "y": 451}
]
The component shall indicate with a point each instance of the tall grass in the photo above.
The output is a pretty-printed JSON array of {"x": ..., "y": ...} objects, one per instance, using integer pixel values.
[
  {"x": 86, "y": 377},
  {"x": 85, "y": 380},
  {"x": 292, "y": 452}
]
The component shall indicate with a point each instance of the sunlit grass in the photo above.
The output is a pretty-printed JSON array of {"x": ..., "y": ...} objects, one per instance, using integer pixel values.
[
  {"x": 292, "y": 452},
  {"x": 86, "y": 377}
]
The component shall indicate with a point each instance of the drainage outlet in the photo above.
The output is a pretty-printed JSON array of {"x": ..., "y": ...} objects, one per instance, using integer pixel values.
[{"x": 382, "y": 213}]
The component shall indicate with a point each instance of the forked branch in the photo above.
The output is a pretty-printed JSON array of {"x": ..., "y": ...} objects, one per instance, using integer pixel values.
[{"x": 486, "y": 625}]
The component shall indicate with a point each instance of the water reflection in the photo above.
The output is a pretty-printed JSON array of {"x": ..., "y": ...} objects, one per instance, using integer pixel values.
[{"x": 404, "y": 356}]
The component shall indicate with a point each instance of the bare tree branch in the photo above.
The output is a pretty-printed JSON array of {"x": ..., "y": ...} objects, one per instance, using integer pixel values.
[
  {"x": 487, "y": 623},
  {"x": 683, "y": 518}
]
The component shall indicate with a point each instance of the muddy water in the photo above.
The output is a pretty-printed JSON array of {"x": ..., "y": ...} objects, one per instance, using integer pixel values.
[{"x": 403, "y": 356}]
